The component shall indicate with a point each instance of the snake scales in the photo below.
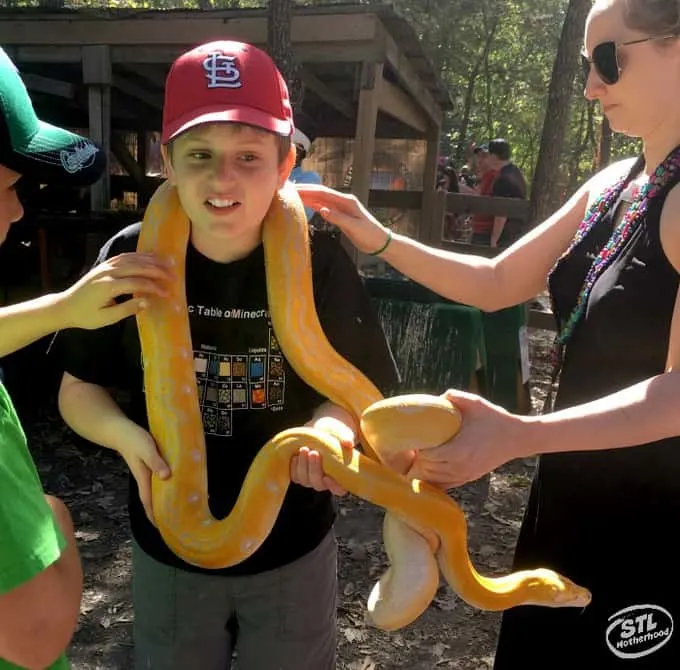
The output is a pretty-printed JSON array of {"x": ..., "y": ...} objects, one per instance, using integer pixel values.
[{"x": 424, "y": 529}]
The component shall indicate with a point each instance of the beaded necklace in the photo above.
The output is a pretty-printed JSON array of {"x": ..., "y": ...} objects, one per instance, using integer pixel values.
[{"x": 630, "y": 222}]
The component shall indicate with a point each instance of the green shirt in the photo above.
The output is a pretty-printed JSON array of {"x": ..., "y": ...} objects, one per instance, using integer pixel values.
[{"x": 30, "y": 539}]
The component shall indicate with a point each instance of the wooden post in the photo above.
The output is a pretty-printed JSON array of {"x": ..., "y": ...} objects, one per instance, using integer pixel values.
[
  {"x": 97, "y": 78},
  {"x": 364, "y": 139},
  {"x": 142, "y": 195},
  {"x": 429, "y": 226}
]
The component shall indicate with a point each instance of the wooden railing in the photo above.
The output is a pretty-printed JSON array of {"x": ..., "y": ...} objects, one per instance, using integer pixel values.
[{"x": 430, "y": 232}]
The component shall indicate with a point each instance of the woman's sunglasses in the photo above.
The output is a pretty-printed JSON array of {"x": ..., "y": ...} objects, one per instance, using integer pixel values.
[{"x": 605, "y": 58}]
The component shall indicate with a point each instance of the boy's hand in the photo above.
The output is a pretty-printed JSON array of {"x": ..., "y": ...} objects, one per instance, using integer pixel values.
[
  {"x": 346, "y": 212},
  {"x": 90, "y": 302},
  {"x": 142, "y": 457},
  {"x": 306, "y": 467}
]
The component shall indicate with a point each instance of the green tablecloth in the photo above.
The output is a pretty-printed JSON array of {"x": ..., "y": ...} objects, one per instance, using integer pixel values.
[
  {"x": 437, "y": 344},
  {"x": 440, "y": 344}
]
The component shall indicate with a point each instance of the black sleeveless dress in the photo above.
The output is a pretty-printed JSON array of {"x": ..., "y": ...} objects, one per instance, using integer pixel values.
[{"x": 608, "y": 519}]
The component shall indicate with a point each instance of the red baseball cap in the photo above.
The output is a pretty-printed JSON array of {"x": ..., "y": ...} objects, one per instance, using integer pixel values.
[{"x": 226, "y": 81}]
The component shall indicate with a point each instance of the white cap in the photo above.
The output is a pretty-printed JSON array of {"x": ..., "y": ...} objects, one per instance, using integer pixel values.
[{"x": 300, "y": 139}]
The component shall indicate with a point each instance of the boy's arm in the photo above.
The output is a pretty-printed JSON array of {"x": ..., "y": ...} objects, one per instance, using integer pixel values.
[
  {"x": 306, "y": 467},
  {"x": 328, "y": 415},
  {"x": 38, "y": 618},
  {"x": 89, "y": 303},
  {"x": 90, "y": 411}
]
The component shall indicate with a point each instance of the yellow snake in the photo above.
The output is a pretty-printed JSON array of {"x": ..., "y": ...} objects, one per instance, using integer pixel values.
[{"x": 424, "y": 529}]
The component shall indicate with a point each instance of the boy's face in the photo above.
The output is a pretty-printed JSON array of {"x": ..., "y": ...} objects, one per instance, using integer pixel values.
[
  {"x": 226, "y": 176},
  {"x": 11, "y": 209}
]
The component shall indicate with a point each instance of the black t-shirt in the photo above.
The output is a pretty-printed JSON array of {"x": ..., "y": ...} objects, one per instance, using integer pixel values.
[
  {"x": 510, "y": 183},
  {"x": 248, "y": 392}
]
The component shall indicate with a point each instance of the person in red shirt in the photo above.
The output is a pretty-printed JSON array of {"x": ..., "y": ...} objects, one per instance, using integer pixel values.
[{"x": 482, "y": 225}]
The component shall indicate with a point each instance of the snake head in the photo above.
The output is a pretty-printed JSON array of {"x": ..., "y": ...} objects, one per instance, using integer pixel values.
[{"x": 550, "y": 589}]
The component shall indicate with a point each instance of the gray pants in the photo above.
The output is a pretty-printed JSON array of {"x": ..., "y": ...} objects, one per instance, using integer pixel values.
[{"x": 285, "y": 618}]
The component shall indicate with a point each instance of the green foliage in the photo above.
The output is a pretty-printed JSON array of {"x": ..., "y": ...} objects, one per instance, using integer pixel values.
[{"x": 496, "y": 57}]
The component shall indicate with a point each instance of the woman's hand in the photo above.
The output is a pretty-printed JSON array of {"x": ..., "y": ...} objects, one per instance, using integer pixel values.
[
  {"x": 489, "y": 437},
  {"x": 346, "y": 212}
]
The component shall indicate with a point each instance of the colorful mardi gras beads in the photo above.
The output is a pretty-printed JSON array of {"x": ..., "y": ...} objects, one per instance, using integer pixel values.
[{"x": 633, "y": 217}]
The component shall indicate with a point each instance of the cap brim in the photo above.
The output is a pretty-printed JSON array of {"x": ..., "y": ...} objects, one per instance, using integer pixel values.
[
  {"x": 299, "y": 138},
  {"x": 57, "y": 156},
  {"x": 246, "y": 115}
]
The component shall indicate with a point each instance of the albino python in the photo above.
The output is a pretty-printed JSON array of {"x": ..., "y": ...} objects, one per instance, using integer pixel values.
[{"x": 424, "y": 529}]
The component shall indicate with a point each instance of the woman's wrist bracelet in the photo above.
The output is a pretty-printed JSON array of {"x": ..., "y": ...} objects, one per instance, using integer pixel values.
[{"x": 384, "y": 246}]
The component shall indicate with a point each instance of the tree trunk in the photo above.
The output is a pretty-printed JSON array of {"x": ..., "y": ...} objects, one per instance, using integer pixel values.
[
  {"x": 470, "y": 90},
  {"x": 280, "y": 48},
  {"x": 545, "y": 184}
]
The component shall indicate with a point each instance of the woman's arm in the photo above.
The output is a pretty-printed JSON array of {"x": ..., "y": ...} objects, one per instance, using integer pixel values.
[
  {"x": 513, "y": 277},
  {"x": 642, "y": 413}
]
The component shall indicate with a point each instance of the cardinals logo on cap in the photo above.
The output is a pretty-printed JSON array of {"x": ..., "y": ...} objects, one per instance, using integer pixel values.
[{"x": 222, "y": 71}]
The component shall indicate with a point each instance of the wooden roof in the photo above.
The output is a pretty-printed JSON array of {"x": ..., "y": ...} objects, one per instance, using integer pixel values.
[{"x": 332, "y": 42}]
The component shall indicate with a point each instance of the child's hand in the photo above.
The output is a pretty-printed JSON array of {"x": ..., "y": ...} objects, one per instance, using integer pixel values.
[
  {"x": 142, "y": 457},
  {"x": 90, "y": 302},
  {"x": 346, "y": 212},
  {"x": 306, "y": 468}
]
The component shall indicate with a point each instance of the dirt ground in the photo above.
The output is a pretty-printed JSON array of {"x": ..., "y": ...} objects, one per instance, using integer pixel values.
[{"x": 449, "y": 635}]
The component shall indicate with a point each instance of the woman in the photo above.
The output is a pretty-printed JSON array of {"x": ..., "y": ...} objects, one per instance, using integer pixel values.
[{"x": 598, "y": 512}]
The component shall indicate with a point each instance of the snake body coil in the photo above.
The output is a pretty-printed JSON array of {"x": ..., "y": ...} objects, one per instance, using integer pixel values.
[{"x": 424, "y": 529}]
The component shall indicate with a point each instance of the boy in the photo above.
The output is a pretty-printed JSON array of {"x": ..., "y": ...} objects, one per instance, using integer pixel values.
[
  {"x": 40, "y": 573},
  {"x": 227, "y": 127},
  {"x": 303, "y": 138}
]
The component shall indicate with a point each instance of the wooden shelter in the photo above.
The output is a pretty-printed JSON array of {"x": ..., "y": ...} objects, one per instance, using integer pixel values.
[{"x": 365, "y": 72}]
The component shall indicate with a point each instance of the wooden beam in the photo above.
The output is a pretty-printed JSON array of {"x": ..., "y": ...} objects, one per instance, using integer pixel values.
[
  {"x": 44, "y": 54},
  {"x": 154, "y": 73},
  {"x": 142, "y": 161},
  {"x": 408, "y": 76},
  {"x": 431, "y": 228},
  {"x": 152, "y": 98},
  {"x": 311, "y": 52},
  {"x": 396, "y": 103},
  {"x": 461, "y": 203},
  {"x": 97, "y": 65},
  {"x": 126, "y": 160},
  {"x": 383, "y": 198},
  {"x": 158, "y": 29},
  {"x": 40, "y": 84},
  {"x": 97, "y": 77},
  {"x": 311, "y": 81},
  {"x": 364, "y": 140},
  {"x": 428, "y": 211}
]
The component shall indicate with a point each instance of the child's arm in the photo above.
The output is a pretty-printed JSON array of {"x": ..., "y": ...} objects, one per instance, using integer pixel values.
[
  {"x": 89, "y": 410},
  {"x": 337, "y": 421},
  {"x": 305, "y": 468},
  {"x": 89, "y": 303},
  {"x": 38, "y": 618}
]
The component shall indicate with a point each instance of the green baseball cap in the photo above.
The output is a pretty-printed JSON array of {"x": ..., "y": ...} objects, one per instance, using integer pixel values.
[{"x": 36, "y": 149}]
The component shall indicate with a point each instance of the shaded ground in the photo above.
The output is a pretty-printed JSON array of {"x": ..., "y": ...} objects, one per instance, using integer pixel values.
[{"x": 449, "y": 635}]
